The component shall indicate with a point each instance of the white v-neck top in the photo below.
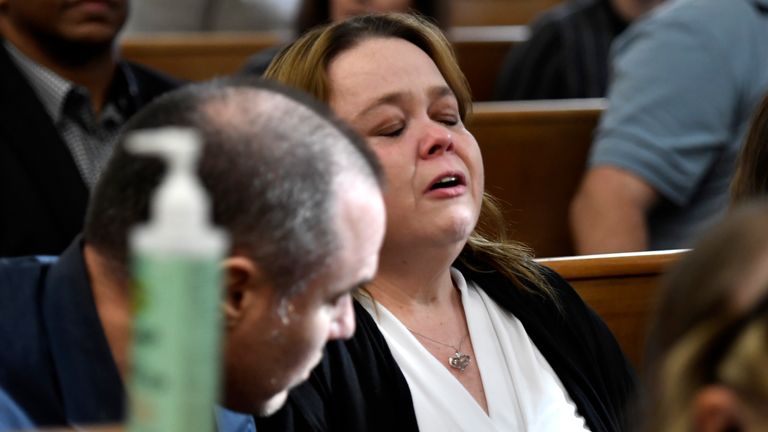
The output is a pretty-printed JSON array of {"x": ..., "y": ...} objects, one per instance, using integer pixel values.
[{"x": 522, "y": 390}]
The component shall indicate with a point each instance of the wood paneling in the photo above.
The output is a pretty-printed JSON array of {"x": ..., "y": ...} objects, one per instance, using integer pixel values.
[
  {"x": 535, "y": 154},
  {"x": 196, "y": 56},
  {"x": 621, "y": 288}
]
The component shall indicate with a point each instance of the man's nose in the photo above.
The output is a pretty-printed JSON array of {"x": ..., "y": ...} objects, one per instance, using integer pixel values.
[{"x": 343, "y": 326}]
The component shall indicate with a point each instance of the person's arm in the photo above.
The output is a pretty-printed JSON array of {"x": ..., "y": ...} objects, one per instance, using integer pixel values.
[{"x": 609, "y": 211}]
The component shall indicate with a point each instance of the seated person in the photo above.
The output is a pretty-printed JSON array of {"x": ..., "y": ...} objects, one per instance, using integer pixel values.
[
  {"x": 478, "y": 336},
  {"x": 708, "y": 345},
  {"x": 64, "y": 94},
  {"x": 566, "y": 56},
  {"x": 313, "y": 13},
  {"x": 750, "y": 182},
  {"x": 301, "y": 200},
  {"x": 685, "y": 83}
]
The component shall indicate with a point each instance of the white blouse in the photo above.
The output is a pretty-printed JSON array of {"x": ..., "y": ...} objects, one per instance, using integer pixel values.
[{"x": 522, "y": 390}]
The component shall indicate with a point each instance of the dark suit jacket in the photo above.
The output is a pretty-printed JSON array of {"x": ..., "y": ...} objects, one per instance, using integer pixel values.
[
  {"x": 42, "y": 196},
  {"x": 55, "y": 361}
]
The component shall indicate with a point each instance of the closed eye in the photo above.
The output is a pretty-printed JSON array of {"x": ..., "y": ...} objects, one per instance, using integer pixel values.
[
  {"x": 391, "y": 132},
  {"x": 449, "y": 121}
]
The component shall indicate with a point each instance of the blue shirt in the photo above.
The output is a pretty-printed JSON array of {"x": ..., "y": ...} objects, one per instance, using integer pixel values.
[
  {"x": 11, "y": 416},
  {"x": 685, "y": 83},
  {"x": 231, "y": 421}
]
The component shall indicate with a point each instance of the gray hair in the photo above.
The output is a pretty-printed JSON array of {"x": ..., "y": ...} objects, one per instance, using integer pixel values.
[{"x": 270, "y": 161}]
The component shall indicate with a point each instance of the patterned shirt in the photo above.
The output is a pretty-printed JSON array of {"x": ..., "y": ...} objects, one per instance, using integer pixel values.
[{"x": 89, "y": 137}]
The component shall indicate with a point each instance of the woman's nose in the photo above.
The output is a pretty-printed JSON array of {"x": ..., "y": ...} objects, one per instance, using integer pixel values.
[{"x": 437, "y": 140}]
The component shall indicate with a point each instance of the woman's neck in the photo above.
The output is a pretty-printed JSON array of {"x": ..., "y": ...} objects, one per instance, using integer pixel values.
[{"x": 414, "y": 278}]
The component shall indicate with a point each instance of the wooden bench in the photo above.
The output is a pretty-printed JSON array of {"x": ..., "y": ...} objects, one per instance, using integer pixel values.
[
  {"x": 535, "y": 154},
  {"x": 481, "y": 52},
  {"x": 621, "y": 288},
  {"x": 496, "y": 12},
  {"x": 197, "y": 56},
  {"x": 201, "y": 56}
]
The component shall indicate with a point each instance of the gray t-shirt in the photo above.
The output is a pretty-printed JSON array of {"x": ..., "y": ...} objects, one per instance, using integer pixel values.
[{"x": 685, "y": 82}]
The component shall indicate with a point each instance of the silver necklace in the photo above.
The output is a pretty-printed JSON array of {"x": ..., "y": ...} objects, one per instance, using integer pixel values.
[{"x": 458, "y": 360}]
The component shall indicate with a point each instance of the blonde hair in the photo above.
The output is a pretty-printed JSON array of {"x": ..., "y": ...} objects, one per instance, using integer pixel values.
[
  {"x": 304, "y": 65},
  {"x": 701, "y": 335}
]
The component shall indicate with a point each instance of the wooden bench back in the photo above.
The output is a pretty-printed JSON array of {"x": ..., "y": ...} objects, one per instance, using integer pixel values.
[
  {"x": 621, "y": 288},
  {"x": 480, "y": 52},
  {"x": 201, "y": 56},
  {"x": 197, "y": 56},
  {"x": 535, "y": 154}
]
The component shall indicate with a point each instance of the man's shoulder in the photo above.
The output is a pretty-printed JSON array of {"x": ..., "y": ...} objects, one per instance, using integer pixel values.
[
  {"x": 715, "y": 19},
  {"x": 21, "y": 280},
  {"x": 151, "y": 83}
]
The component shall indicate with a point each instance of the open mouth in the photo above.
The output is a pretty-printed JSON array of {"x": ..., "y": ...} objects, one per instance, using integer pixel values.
[{"x": 447, "y": 181}]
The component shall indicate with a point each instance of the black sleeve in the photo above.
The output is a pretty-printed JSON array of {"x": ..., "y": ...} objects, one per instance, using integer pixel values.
[{"x": 604, "y": 377}]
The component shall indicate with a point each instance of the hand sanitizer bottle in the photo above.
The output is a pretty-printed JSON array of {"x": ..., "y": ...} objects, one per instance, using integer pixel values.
[{"x": 176, "y": 268}]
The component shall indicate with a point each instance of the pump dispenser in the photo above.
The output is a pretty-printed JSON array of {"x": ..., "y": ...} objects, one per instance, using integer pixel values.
[{"x": 176, "y": 260}]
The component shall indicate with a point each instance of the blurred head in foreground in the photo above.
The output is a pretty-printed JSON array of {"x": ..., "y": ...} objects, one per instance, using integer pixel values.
[{"x": 708, "y": 347}]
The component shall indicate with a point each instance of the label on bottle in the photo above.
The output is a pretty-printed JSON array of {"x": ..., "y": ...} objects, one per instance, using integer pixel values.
[{"x": 174, "y": 378}]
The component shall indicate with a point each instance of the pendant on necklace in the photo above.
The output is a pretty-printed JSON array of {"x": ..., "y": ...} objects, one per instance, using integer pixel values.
[{"x": 459, "y": 361}]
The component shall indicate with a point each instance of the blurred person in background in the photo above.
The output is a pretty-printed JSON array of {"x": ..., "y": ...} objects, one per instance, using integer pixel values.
[
  {"x": 64, "y": 94},
  {"x": 313, "y": 13},
  {"x": 567, "y": 54},
  {"x": 708, "y": 345},
  {"x": 685, "y": 83}
]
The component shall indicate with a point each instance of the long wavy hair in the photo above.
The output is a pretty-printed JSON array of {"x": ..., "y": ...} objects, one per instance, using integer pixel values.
[{"x": 304, "y": 65}]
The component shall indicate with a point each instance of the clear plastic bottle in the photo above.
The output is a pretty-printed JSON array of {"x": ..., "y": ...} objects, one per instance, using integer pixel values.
[{"x": 177, "y": 285}]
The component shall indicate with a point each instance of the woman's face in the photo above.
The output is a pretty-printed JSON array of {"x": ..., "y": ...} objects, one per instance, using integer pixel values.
[
  {"x": 392, "y": 93},
  {"x": 343, "y": 9}
]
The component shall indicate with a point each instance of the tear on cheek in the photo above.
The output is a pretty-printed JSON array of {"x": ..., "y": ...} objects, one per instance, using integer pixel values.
[{"x": 285, "y": 310}]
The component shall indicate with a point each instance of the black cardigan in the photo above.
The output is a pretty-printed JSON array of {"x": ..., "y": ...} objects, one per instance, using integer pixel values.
[{"x": 359, "y": 387}]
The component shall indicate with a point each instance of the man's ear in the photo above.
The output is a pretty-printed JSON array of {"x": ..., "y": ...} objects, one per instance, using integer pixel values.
[
  {"x": 716, "y": 409},
  {"x": 243, "y": 281}
]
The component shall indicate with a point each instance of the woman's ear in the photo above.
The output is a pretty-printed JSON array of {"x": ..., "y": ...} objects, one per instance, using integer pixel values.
[
  {"x": 716, "y": 409},
  {"x": 242, "y": 277}
]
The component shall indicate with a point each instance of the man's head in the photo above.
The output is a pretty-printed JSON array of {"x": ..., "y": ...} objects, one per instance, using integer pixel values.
[
  {"x": 70, "y": 30},
  {"x": 301, "y": 199}
]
